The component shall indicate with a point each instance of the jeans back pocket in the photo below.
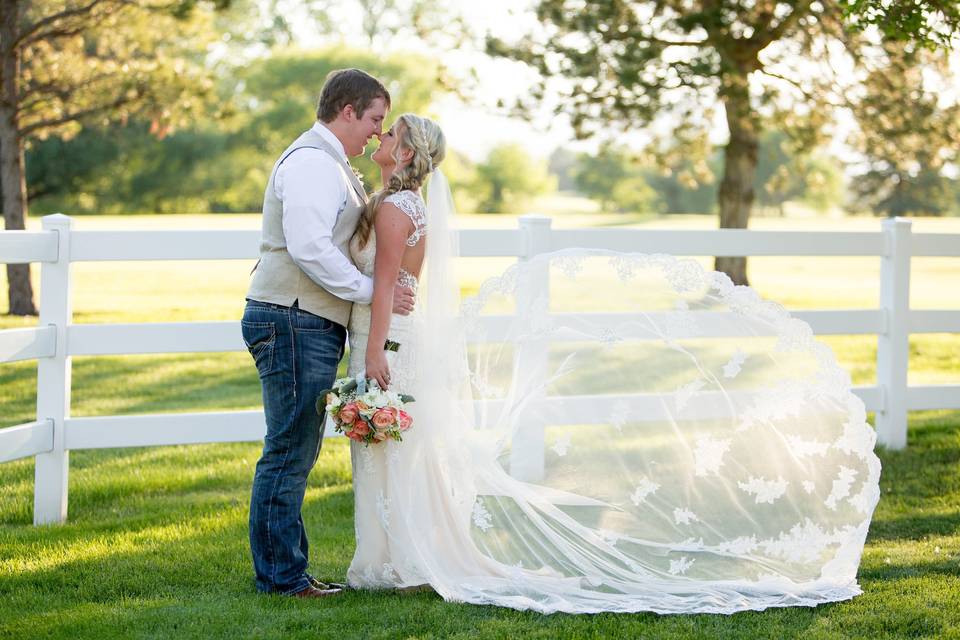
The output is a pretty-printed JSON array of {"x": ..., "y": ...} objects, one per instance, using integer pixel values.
[{"x": 260, "y": 338}]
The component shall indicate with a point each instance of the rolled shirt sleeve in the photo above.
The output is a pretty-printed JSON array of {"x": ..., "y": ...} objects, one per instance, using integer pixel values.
[{"x": 313, "y": 189}]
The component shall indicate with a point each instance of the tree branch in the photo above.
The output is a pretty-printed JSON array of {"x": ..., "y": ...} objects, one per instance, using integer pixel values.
[
  {"x": 673, "y": 43},
  {"x": 62, "y": 32},
  {"x": 76, "y": 115},
  {"x": 774, "y": 34},
  {"x": 62, "y": 91},
  {"x": 27, "y": 106},
  {"x": 29, "y": 33},
  {"x": 809, "y": 96}
]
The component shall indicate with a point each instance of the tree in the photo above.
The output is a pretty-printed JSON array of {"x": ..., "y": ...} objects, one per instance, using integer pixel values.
[
  {"x": 638, "y": 63},
  {"x": 461, "y": 173},
  {"x": 562, "y": 163},
  {"x": 58, "y": 168},
  {"x": 220, "y": 162},
  {"x": 379, "y": 21},
  {"x": 634, "y": 195},
  {"x": 377, "y": 17},
  {"x": 823, "y": 182},
  {"x": 776, "y": 179},
  {"x": 65, "y": 63},
  {"x": 785, "y": 173},
  {"x": 597, "y": 176},
  {"x": 622, "y": 181},
  {"x": 925, "y": 194},
  {"x": 682, "y": 187},
  {"x": 509, "y": 174},
  {"x": 281, "y": 91},
  {"x": 271, "y": 20},
  {"x": 912, "y": 134}
]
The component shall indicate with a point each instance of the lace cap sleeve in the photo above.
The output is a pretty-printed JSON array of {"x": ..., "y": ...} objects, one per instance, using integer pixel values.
[{"x": 412, "y": 205}]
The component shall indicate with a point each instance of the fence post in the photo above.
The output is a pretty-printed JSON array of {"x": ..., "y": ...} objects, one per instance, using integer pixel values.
[
  {"x": 893, "y": 345},
  {"x": 53, "y": 379},
  {"x": 527, "y": 449}
]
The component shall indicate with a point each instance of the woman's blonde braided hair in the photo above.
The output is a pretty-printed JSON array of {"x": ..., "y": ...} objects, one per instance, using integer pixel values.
[{"x": 429, "y": 146}]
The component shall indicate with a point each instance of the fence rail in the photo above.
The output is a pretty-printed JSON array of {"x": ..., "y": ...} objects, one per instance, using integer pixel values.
[
  {"x": 27, "y": 344},
  {"x": 18, "y": 247},
  {"x": 56, "y": 338},
  {"x": 26, "y": 440}
]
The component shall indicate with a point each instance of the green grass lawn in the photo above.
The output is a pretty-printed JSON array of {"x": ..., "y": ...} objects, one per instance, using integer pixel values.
[
  {"x": 156, "y": 547},
  {"x": 156, "y": 541}
]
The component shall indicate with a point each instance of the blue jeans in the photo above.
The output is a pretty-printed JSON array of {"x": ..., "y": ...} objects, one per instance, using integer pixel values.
[{"x": 296, "y": 354}]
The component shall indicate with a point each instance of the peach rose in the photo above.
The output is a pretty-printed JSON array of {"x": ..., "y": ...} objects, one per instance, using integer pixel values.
[
  {"x": 379, "y": 436},
  {"x": 384, "y": 417},
  {"x": 348, "y": 413},
  {"x": 361, "y": 427},
  {"x": 405, "y": 420}
]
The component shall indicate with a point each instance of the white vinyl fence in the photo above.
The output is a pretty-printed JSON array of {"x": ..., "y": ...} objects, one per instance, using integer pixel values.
[{"x": 56, "y": 338}]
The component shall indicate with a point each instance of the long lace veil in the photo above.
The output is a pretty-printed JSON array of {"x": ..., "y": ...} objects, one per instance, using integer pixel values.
[{"x": 601, "y": 431}]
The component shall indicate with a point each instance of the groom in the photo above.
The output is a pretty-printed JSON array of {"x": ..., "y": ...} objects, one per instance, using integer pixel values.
[{"x": 297, "y": 309}]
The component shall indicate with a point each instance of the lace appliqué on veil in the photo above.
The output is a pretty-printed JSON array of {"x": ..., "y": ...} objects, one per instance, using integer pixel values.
[
  {"x": 644, "y": 489},
  {"x": 481, "y": 517}
]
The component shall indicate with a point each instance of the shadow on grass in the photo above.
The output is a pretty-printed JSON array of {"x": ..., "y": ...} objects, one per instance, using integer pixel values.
[
  {"x": 945, "y": 566},
  {"x": 920, "y": 485},
  {"x": 110, "y": 485},
  {"x": 915, "y": 527},
  {"x": 184, "y": 382}
]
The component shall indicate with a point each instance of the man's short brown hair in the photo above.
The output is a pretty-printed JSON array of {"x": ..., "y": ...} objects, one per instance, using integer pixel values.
[{"x": 349, "y": 86}]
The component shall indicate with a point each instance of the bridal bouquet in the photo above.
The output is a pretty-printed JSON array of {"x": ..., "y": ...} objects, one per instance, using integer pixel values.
[{"x": 365, "y": 413}]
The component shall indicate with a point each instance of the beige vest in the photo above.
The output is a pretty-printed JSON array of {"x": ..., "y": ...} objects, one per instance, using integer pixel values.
[{"x": 277, "y": 278}]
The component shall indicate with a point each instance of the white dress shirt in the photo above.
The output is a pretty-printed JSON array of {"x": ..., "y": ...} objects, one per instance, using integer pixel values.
[{"x": 313, "y": 189}]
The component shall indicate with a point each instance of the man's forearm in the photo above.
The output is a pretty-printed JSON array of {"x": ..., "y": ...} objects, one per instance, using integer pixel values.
[{"x": 335, "y": 274}]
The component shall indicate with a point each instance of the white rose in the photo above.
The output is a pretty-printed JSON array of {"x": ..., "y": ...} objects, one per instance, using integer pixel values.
[{"x": 333, "y": 404}]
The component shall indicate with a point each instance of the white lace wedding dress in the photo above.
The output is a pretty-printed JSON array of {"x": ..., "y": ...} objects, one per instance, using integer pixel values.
[
  {"x": 623, "y": 432},
  {"x": 376, "y": 470}
]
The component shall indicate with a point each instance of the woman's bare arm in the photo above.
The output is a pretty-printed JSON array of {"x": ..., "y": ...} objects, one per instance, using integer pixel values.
[{"x": 392, "y": 227}]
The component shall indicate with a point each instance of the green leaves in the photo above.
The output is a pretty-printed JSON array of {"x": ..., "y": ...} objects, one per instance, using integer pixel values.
[
  {"x": 929, "y": 23},
  {"x": 908, "y": 132},
  {"x": 112, "y": 62}
]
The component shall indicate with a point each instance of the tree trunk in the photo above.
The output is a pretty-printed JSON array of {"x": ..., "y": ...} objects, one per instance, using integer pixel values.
[
  {"x": 736, "y": 190},
  {"x": 496, "y": 197},
  {"x": 12, "y": 175}
]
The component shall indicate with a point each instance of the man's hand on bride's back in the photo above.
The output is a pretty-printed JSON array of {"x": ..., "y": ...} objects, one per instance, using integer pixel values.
[{"x": 402, "y": 300}]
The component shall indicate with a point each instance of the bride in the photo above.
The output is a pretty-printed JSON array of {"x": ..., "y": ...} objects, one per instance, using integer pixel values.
[{"x": 595, "y": 431}]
